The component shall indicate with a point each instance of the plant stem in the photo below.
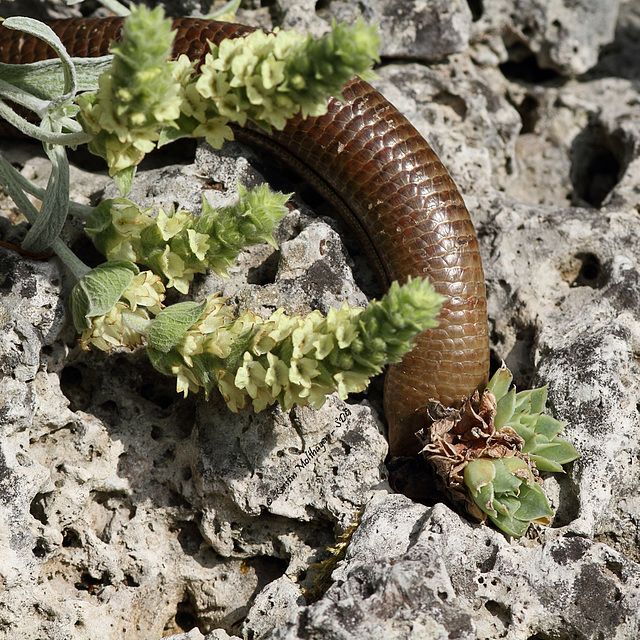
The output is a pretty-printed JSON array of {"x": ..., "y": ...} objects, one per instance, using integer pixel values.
[
  {"x": 13, "y": 188},
  {"x": 75, "y": 208},
  {"x": 70, "y": 259},
  {"x": 34, "y": 131},
  {"x": 116, "y": 7}
]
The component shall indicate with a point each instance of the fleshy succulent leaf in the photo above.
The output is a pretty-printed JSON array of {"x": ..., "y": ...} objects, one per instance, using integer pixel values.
[
  {"x": 505, "y": 409},
  {"x": 544, "y": 464},
  {"x": 533, "y": 503},
  {"x": 511, "y": 526},
  {"x": 500, "y": 382},
  {"x": 479, "y": 473},
  {"x": 507, "y": 505},
  {"x": 558, "y": 450},
  {"x": 505, "y": 481},
  {"x": 548, "y": 426},
  {"x": 512, "y": 499},
  {"x": 488, "y": 454}
]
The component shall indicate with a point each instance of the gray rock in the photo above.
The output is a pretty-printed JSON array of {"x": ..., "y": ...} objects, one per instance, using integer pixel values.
[
  {"x": 130, "y": 490},
  {"x": 277, "y": 603},
  {"x": 195, "y": 634},
  {"x": 411, "y": 28},
  {"x": 563, "y": 36},
  {"x": 422, "y": 573},
  {"x": 136, "y": 514}
]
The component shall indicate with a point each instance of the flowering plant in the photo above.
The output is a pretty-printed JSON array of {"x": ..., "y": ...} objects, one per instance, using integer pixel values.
[
  {"x": 488, "y": 454},
  {"x": 143, "y": 100}
]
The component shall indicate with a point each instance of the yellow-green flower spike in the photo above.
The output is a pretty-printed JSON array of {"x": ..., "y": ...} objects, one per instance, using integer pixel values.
[
  {"x": 290, "y": 359},
  {"x": 140, "y": 95},
  {"x": 146, "y": 101},
  {"x": 268, "y": 78},
  {"x": 178, "y": 244}
]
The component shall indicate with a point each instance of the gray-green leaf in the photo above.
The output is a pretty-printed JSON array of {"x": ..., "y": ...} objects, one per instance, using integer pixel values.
[
  {"x": 171, "y": 324},
  {"x": 99, "y": 290}
]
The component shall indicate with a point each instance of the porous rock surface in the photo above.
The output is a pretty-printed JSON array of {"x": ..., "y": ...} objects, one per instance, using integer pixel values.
[{"x": 128, "y": 512}]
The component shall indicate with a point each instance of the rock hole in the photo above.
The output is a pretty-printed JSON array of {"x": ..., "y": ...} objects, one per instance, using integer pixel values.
[
  {"x": 599, "y": 158},
  {"x": 90, "y": 583},
  {"x": 267, "y": 568},
  {"x": 189, "y": 536},
  {"x": 498, "y": 610},
  {"x": 76, "y": 388},
  {"x": 616, "y": 568},
  {"x": 529, "y": 113},
  {"x": 85, "y": 249},
  {"x": 519, "y": 359},
  {"x": 159, "y": 392},
  {"x": 454, "y": 102},
  {"x": 488, "y": 563},
  {"x": 568, "y": 501},
  {"x": 185, "y": 419},
  {"x": 41, "y": 548},
  {"x": 168, "y": 455},
  {"x": 71, "y": 538},
  {"x": 523, "y": 66},
  {"x": 186, "y": 616},
  {"x": 38, "y": 508},
  {"x": 130, "y": 581},
  {"x": 588, "y": 271},
  {"x": 265, "y": 273},
  {"x": 477, "y": 9}
]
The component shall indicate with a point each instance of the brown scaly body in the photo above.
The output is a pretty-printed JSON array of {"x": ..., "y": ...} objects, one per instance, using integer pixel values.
[{"x": 393, "y": 191}]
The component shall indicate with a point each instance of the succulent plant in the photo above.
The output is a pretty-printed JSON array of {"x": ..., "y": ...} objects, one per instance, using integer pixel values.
[
  {"x": 506, "y": 490},
  {"x": 523, "y": 412},
  {"x": 488, "y": 454}
]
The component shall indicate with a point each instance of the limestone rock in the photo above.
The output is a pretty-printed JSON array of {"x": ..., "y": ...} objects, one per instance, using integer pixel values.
[
  {"x": 562, "y": 36},
  {"x": 423, "y": 573},
  {"x": 132, "y": 513},
  {"x": 408, "y": 28}
]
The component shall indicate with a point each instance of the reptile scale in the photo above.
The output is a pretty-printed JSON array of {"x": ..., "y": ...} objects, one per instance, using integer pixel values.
[{"x": 384, "y": 179}]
